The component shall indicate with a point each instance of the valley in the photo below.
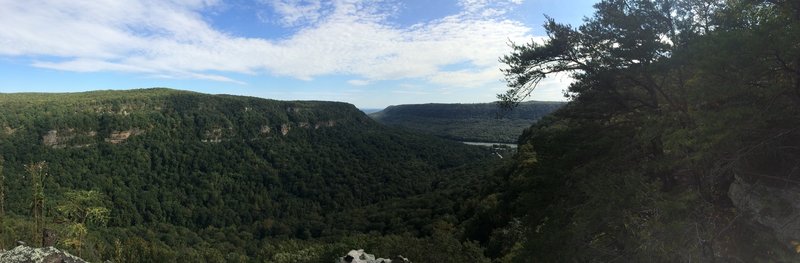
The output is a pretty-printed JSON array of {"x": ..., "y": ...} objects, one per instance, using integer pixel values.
[
  {"x": 479, "y": 122},
  {"x": 678, "y": 141},
  {"x": 230, "y": 176}
]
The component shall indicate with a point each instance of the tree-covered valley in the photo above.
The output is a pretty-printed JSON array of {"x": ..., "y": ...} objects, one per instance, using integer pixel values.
[
  {"x": 189, "y": 176},
  {"x": 679, "y": 143}
]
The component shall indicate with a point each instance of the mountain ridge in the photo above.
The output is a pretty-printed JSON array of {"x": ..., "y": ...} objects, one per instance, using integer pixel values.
[
  {"x": 247, "y": 168},
  {"x": 475, "y": 122}
]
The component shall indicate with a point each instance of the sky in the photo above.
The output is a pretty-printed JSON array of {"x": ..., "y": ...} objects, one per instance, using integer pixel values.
[{"x": 371, "y": 53}]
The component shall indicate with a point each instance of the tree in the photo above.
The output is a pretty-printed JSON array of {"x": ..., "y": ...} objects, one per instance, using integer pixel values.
[
  {"x": 37, "y": 173},
  {"x": 80, "y": 208},
  {"x": 685, "y": 91},
  {"x": 2, "y": 200}
]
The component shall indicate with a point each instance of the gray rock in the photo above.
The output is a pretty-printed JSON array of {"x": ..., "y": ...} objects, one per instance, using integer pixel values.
[
  {"x": 776, "y": 208},
  {"x": 25, "y": 254},
  {"x": 358, "y": 256}
]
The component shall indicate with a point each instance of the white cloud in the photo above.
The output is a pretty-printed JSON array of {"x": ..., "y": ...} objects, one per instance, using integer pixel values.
[
  {"x": 172, "y": 39},
  {"x": 297, "y": 12},
  {"x": 468, "y": 78},
  {"x": 411, "y": 92},
  {"x": 358, "y": 82},
  {"x": 488, "y": 8}
]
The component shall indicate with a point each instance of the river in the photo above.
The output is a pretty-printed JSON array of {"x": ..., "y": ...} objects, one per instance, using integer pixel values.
[{"x": 490, "y": 144}]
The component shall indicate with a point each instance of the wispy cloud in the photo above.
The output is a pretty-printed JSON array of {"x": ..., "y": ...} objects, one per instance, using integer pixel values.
[
  {"x": 298, "y": 12},
  {"x": 488, "y": 8},
  {"x": 467, "y": 78},
  {"x": 173, "y": 39},
  {"x": 358, "y": 82}
]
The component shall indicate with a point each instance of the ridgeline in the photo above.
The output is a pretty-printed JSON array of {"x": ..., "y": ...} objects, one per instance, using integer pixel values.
[
  {"x": 202, "y": 177},
  {"x": 478, "y": 122}
]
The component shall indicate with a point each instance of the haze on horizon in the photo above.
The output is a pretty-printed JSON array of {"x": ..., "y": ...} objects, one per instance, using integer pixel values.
[{"x": 368, "y": 53}]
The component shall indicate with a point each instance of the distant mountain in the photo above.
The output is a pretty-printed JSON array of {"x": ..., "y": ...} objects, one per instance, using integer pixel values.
[
  {"x": 213, "y": 172},
  {"x": 370, "y": 110},
  {"x": 479, "y": 122}
]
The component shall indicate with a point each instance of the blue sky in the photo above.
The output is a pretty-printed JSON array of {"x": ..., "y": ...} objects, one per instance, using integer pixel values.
[{"x": 371, "y": 53}]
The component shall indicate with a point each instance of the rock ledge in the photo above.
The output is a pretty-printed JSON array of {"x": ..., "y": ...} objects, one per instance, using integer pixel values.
[
  {"x": 358, "y": 256},
  {"x": 27, "y": 254}
]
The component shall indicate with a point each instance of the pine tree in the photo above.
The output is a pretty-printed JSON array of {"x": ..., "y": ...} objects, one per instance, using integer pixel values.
[
  {"x": 80, "y": 208},
  {"x": 37, "y": 172}
]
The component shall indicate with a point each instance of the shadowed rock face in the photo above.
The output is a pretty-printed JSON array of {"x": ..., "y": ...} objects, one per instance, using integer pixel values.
[
  {"x": 358, "y": 256},
  {"x": 25, "y": 254},
  {"x": 772, "y": 207}
]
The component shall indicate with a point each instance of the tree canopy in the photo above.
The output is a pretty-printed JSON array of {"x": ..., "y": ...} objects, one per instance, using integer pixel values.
[{"x": 672, "y": 101}]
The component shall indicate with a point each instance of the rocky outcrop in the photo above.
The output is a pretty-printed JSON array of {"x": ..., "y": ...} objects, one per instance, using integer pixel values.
[
  {"x": 25, "y": 254},
  {"x": 120, "y": 136},
  {"x": 51, "y": 138},
  {"x": 776, "y": 208},
  {"x": 324, "y": 124},
  {"x": 55, "y": 139},
  {"x": 213, "y": 136},
  {"x": 285, "y": 128},
  {"x": 359, "y": 256},
  {"x": 67, "y": 137},
  {"x": 8, "y": 130},
  {"x": 265, "y": 129}
]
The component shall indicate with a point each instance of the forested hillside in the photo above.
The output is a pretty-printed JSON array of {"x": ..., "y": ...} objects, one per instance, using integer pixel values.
[
  {"x": 201, "y": 177},
  {"x": 680, "y": 143},
  {"x": 478, "y": 122}
]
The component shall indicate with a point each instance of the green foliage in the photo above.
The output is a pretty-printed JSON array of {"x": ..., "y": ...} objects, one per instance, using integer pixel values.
[
  {"x": 208, "y": 178},
  {"x": 441, "y": 247},
  {"x": 671, "y": 99},
  {"x": 37, "y": 173},
  {"x": 79, "y": 209}
]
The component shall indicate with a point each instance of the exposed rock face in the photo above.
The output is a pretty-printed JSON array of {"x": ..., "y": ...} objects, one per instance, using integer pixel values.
[
  {"x": 358, "y": 256},
  {"x": 69, "y": 137},
  {"x": 120, "y": 136},
  {"x": 24, "y": 254},
  {"x": 58, "y": 139},
  {"x": 213, "y": 136},
  {"x": 285, "y": 128},
  {"x": 775, "y": 208},
  {"x": 324, "y": 124},
  {"x": 265, "y": 129},
  {"x": 51, "y": 138},
  {"x": 8, "y": 130}
]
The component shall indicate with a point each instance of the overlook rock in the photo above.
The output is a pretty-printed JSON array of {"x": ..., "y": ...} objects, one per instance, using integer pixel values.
[
  {"x": 25, "y": 254},
  {"x": 773, "y": 207},
  {"x": 359, "y": 256}
]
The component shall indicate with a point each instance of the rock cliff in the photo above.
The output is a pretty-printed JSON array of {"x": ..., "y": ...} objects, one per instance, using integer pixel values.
[
  {"x": 775, "y": 208},
  {"x": 25, "y": 254},
  {"x": 359, "y": 256}
]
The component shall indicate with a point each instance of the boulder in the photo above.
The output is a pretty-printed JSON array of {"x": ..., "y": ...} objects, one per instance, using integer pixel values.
[
  {"x": 359, "y": 256},
  {"x": 25, "y": 254},
  {"x": 775, "y": 208}
]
